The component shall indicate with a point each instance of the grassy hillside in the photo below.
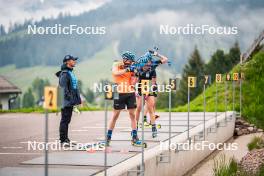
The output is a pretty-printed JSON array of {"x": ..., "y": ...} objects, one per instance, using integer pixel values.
[
  {"x": 89, "y": 71},
  {"x": 252, "y": 93}
]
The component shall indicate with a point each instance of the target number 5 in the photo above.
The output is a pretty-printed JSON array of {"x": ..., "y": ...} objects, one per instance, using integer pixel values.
[{"x": 173, "y": 84}]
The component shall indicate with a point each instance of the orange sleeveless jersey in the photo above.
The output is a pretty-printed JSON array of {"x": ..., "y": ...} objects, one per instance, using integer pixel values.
[{"x": 123, "y": 81}]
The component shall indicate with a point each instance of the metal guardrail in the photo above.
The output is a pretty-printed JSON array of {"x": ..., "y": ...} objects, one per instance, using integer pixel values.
[{"x": 245, "y": 56}]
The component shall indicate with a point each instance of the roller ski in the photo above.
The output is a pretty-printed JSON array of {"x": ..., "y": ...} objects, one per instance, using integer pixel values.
[
  {"x": 148, "y": 125},
  {"x": 138, "y": 143},
  {"x": 135, "y": 141}
]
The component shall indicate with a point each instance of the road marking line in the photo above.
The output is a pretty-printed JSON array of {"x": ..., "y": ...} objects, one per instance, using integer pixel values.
[
  {"x": 20, "y": 153},
  {"x": 80, "y": 134},
  {"x": 104, "y": 127},
  {"x": 38, "y": 142},
  {"x": 26, "y": 142},
  {"x": 12, "y": 147}
]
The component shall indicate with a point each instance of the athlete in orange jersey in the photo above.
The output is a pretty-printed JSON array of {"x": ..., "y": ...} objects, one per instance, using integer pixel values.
[{"x": 123, "y": 76}]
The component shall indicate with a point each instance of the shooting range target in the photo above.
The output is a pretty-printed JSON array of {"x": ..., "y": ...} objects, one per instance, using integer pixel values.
[
  {"x": 192, "y": 82},
  {"x": 228, "y": 77},
  {"x": 218, "y": 78},
  {"x": 173, "y": 84},
  {"x": 235, "y": 76}
]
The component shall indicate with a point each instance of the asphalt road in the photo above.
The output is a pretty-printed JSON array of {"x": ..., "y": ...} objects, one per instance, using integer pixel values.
[{"x": 17, "y": 129}]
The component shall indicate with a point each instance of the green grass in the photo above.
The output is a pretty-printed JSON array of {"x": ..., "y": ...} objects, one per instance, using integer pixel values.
[
  {"x": 261, "y": 171},
  {"x": 256, "y": 143},
  {"x": 223, "y": 168},
  {"x": 41, "y": 110},
  {"x": 25, "y": 110},
  {"x": 252, "y": 93},
  {"x": 197, "y": 104}
]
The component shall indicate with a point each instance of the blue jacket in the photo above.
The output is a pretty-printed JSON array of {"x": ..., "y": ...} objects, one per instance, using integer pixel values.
[{"x": 69, "y": 84}]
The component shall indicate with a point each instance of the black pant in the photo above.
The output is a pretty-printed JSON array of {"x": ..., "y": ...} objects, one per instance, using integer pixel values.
[{"x": 66, "y": 114}]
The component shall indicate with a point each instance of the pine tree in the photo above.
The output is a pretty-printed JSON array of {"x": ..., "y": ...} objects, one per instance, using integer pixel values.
[
  {"x": 194, "y": 67},
  {"x": 2, "y": 30},
  {"x": 217, "y": 64},
  {"x": 28, "y": 99},
  {"x": 233, "y": 56},
  {"x": 90, "y": 97},
  {"x": 221, "y": 62}
]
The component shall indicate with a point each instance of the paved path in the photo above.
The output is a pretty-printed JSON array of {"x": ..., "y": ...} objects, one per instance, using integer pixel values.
[{"x": 17, "y": 129}]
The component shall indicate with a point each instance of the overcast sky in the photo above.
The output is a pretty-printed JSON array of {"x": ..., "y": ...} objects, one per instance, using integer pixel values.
[
  {"x": 249, "y": 21},
  {"x": 19, "y": 10}
]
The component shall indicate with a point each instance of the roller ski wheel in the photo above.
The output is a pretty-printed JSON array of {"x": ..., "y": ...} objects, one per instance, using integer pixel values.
[
  {"x": 146, "y": 125},
  {"x": 158, "y": 126},
  {"x": 150, "y": 126},
  {"x": 138, "y": 143}
]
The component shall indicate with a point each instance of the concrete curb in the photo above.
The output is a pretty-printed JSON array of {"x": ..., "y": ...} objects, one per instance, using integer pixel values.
[{"x": 161, "y": 161}]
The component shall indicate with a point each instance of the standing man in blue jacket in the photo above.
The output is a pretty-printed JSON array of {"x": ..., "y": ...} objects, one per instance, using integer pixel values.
[{"x": 71, "y": 95}]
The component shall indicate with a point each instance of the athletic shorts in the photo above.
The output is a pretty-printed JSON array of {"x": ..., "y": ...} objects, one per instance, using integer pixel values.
[
  {"x": 154, "y": 93},
  {"x": 126, "y": 100}
]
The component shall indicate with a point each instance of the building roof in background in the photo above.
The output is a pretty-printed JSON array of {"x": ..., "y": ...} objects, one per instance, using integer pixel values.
[{"x": 8, "y": 87}]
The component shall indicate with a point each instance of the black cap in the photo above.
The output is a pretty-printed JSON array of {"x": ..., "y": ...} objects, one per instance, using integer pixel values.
[{"x": 69, "y": 57}]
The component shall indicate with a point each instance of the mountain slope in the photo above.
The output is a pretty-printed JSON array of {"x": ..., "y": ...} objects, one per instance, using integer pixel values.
[
  {"x": 89, "y": 71},
  {"x": 135, "y": 24}
]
